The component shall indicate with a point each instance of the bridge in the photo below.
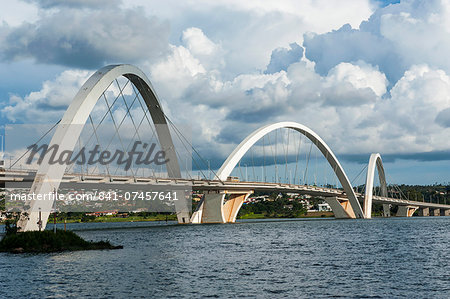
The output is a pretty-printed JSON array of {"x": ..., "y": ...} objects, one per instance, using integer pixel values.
[{"x": 223, "y": 194}]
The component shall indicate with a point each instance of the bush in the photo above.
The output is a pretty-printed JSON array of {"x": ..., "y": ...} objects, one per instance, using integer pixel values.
[{"x": 48, "y": 241}]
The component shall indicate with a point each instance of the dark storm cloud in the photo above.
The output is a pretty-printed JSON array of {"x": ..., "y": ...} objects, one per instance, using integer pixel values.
[{"x": 87, "y": 38}]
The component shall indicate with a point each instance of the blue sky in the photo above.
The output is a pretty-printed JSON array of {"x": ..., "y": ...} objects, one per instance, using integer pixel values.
[{"x": 368, "y": 76}]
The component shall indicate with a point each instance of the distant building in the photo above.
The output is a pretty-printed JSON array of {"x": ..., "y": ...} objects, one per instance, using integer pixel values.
[
  {"x": 257, "y": 198},
  {"x": 103, "y": 213},
  {"x": 324, "y": 207}
]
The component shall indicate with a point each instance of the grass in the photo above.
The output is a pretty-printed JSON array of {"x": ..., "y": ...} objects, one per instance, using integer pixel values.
[
  {"x": 48, "y": 241},
  {"x": 253, "y": 216},
  {"x": 265, "y": 216},
  {"x": 134, "y": 218}
]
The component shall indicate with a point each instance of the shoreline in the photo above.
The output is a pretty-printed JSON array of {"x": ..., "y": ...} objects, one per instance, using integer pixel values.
[{"x": 106, "y": 219}]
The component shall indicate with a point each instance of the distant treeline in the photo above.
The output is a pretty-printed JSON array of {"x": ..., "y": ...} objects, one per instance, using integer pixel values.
[{"x": 278, "y": 207}]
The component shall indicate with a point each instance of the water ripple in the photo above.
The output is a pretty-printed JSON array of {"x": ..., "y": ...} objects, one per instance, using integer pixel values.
[{"x": 380, "y": 258}]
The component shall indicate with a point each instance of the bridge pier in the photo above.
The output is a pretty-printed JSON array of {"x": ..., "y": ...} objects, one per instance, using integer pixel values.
[
  {"x": 386, "y": 210},
  {"x": 210, "y": 210},
  {"x": 424, "y": 212},
  {"x": 445, "y": 212},
  {"x": 341, "y": 207},
  {"x": 436, "y": 212},
  {"x": 232, "y": 206},
  {"x": 406, "y": 211},
  {"x": 214, "y": 209}
]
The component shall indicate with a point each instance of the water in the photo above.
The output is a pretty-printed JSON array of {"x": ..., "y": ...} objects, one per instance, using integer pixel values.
[{"x": 381, "y": 258}]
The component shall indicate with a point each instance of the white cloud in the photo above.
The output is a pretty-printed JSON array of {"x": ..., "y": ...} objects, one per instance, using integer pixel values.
[
  {"x": 197, "y": 42},
  {"x": 200, "y": 46},
  {"x": 360, "y": 76},
  {"x": 321, "y": 14},
  {"x": 416, "y": 100},
  {"x": 249, "y": 31},
  {"x": 9, "y": 12},
  {"x": 212, "y": 74},
  {"x": 405, "y": 122},
  {"x": 394, "y": 39},
  {"x": 177, "y": 71},
  {"x": 49, "y": 103}
]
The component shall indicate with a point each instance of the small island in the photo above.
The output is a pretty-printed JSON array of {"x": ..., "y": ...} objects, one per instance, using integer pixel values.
[{"x": 49, "y": 241}]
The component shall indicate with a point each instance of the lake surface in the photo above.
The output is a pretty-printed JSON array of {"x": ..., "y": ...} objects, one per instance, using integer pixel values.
[{"x": 380, "y": 258}]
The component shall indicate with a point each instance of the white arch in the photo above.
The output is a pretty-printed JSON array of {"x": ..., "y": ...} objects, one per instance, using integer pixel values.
[
  {"x": 48, "y": 176},
  {"x": 248, "y": 142},
  {"x": 375, "y": 160}
]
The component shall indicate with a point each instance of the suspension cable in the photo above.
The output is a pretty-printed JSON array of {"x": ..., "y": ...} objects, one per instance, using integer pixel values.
[{"x": 29, "y": 149}]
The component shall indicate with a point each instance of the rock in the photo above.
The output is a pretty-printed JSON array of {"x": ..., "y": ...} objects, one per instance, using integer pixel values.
[{"x": 17, "y": 250}]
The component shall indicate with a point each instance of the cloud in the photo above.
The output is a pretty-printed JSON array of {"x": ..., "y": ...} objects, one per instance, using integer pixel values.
[
  {"x": 197, "y": 42},
  {"x": 15, "y": 12},
  {"x": 443, "y": 118},
  {"x": 417, "y": 98},
  {"x": 75, "y": 3},
  {"x": 49, "y": 103},
  {"x": 87, "y": 38},
  {"x": 321, "y": 13},
  {"x": 177, "y": 71},
  {"x": 352, "y": 99},
  {"x": 407, "y": 118},
  {"x": 250, "y": 100},
  {"x": 360, "y": 75},
  {"x": 249, "y": 31},
  {"x": 394, "y": 39},
  {"x": 362, "y": 90},
  {"x": 353, "y": 84},
  {"x": 351, "y": 45},
  {"x": 281, "y": 58}
]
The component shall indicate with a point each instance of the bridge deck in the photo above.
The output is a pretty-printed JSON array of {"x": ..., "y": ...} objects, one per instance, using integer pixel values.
[{"x": 74, "y": 179}]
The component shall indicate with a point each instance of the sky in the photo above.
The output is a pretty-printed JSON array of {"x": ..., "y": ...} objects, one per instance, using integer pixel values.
[{"x": 367, "y": 76}]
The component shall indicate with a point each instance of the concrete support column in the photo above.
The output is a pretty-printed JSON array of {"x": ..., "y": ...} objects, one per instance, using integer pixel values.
[
  {"x": 406, "y": 211},
  {"x": 341, "y": 207},
  {"x": 386, "y": 210},
  {"x": 436, "y": 212},
  {"x": 212, "y": 208},
  {"x": 233, "y": 205},
  {"x": 445, "y": 212},
  {"x": 424, "y": 212},
  {"x": 183, "y": 212},
  {"x": 196, "y": 217}
]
